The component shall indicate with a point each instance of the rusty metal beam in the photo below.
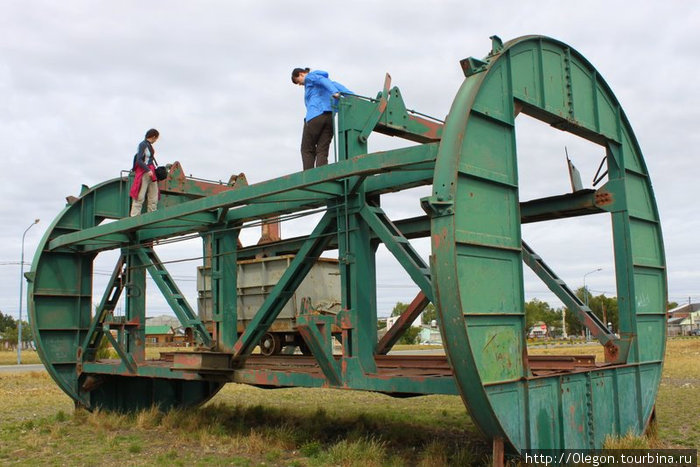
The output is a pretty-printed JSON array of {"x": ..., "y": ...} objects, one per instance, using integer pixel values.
[{"x": 404, "y": 322}]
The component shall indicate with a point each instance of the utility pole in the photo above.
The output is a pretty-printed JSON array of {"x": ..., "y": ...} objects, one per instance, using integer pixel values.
[
  {"x": 563, "y": 323},
  {"x": 21, "y": 291}
]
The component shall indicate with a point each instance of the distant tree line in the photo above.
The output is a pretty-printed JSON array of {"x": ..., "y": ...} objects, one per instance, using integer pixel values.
[
  {"x": 605, "y": 308},
  {"x": 536, "y": 311},
  {"x": 9, "y": 331}
]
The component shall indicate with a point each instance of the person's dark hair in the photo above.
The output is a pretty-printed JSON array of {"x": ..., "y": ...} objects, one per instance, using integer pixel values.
[
  {"x": 151, "y": 133},
  {"x": 297, "y": 71}
]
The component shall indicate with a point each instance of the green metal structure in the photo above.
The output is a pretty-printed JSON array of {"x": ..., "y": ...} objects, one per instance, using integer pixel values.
[{"x": 474, "y": 276}]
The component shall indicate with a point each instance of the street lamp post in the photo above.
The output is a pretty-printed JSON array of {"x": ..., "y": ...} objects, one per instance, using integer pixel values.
[
  {"x": 21, "y": 292},
  {"x": 585, "y": 290},
  {"x": 585, "y": 296}
]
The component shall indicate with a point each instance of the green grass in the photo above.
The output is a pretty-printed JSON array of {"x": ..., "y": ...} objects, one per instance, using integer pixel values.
[{"x": 247, "y": 426}]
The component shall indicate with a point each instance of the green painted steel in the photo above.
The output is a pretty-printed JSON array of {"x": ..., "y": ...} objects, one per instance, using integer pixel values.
[
  {"x": 60, "y": 295},
  {"x": 476, "y": 240},
  {"x": 474, "y": 276}
]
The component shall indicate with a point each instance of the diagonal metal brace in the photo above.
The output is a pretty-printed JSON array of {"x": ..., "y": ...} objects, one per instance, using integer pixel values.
[
  {"x": 615, "y": 349},
  {"x": 392, "y": 335},
  {"x": 399, "y": 246},
  {"x": 115, "y": 286},
  {"x": 172, "y": 294},
  {"x": 280, "y": 294},
  {"x": 126, "y": 358},
  {"x": 316, "y": 332}
]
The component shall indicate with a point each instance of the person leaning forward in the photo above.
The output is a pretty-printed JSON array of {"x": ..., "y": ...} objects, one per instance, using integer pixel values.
[
  {"x": 145, "y": 186},
  {"x": 318, "y": 123}
]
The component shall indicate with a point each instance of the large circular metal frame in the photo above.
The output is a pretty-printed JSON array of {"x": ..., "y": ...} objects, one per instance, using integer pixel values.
[
  {"x": 477, "y": 264},
  {"x": 60, "y": 294}
]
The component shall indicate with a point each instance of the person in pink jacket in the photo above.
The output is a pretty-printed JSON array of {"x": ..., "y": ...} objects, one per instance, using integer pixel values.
[{"x": 145, "y": 186}]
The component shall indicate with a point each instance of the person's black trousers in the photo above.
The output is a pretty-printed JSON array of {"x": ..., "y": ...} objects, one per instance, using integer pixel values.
[{"x": 315, "y": 140}]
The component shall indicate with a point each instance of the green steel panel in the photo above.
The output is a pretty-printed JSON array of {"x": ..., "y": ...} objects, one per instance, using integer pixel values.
[
  {"x": 70, "y": 221},
  {"x": 554, "y": 83},
  {"x": 604, "y": 407},
  {"x": 543, "y": 413},
  {"x": 509, "y": 403},
  {"x": 498, "y": 345},
  {"x": 131, "y": 394},
  {"x": 59, "y": 313},
  {"x": 482, "y": 272},
  {"x": 638, "y": 197},
  {"x": 631, "y": 153},
  {"x": 111, "y": 202},
  {"x": 61, "y": 275},
  {"x": 646, "y": 247},
  {"x": 60, "y": 345},
  {"x": 583, "y": 86},
  {"x": 494, "y": 218},
  {"x": 65, "y": 377},
  {"x": 607, "y": 114},
  {"x": 574, "y": 410},
  {"x": 649, "y": 375},
  {"x": 628, "y": 400},
  {"x": 526, "y": 85},
  {"x": 495, "y": 139},
  {"x": 651, "y": 330},
  {"x": 650, "y": 291},
  {"x": 493, "y": 100}
]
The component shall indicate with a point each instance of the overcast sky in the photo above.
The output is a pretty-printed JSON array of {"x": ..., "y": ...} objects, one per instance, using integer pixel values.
[{"x": 81, "y": 81}]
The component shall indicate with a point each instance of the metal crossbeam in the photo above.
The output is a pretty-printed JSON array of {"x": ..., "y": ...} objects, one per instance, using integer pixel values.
[{"x": 367, "y": 164}]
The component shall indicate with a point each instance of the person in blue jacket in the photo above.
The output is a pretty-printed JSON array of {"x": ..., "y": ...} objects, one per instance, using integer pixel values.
[{"x": 318, "y": 123}]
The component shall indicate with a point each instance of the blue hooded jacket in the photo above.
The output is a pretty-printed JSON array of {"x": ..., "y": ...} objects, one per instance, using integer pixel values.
[{"x": 318, "y": 90}]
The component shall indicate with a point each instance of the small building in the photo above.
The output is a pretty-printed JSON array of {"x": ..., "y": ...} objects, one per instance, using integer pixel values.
[
  {"x": 539, "y": 330},
  {"x": 163, "y": 320},
  {"x": 159, "y": 335},
  {"x": 183, "y": 337},
  {"x": 684, "y": 320},
  {"x": 430, "y": 335}
]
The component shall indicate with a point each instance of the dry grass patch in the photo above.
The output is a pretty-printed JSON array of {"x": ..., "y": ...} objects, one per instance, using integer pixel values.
[
  {"x": 247, "y": 426},
  {"x": 9, "y": 357}
]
